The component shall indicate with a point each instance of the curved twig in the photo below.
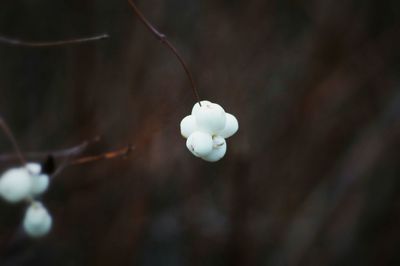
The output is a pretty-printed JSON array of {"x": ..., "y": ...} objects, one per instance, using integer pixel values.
[
  {"x": 16, "y": 42},
  {"x": 6, "y": 129},
  {"x": 58, "y": 154},
  {"x": 163, "y": 39}
]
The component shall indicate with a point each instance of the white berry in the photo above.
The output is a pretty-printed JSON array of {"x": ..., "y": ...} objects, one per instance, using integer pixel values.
[
  {"x": 231, "y": 126},
  {"x": 196, "y": 106},
  {"x": 188, "y": 126},
  {"x": 15, "y": 184},
  {"x": 206, "y": 130},
  {"x": 37, "y": 221},
  {"x": 210, "y": 117},
  {"x": 200, "y": 143},
  {"x": 40, "y": 183},
  {"x": 34, "y": 168},
  {"x": 218, "y": 151}
]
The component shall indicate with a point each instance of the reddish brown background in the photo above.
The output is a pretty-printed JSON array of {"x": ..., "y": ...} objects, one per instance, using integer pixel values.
[{"x": 311, "y": 178}]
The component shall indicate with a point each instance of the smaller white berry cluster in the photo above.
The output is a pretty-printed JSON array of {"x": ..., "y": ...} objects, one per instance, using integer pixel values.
[
  {"x": 26, "y": 183},
  {"x": 206, "y": 130}
]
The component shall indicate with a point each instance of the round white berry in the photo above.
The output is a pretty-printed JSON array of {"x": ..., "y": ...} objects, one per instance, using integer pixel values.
[
  {"x": 200, "y": 143},
  {"x": 15, "y": 184},
  {"x": 40, "y": 183},
  {"x": 210, "y": 117},
  {"x": 34, "y": 168},
  {"x": 231, "y": 126},
  {"x": 218, "y": 151},
  {"x": 196, "y": 106},
  {"x": 188, "y": 126},
  {"x": 37, "y": 220}
]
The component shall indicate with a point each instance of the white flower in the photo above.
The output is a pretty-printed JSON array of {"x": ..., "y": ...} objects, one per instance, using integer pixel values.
[
  {"x": 15, "y": 185},
  {"x": 37, "y": 221},
  {"x": 206, "y": 129}
]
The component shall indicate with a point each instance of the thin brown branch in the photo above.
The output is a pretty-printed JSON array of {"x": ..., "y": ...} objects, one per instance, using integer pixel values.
[
  {"x": 6, "y": 129},
  {"x": 59, "y": 154},
  {"x": 16, "y": 42},
  {"x": 104, "y": 156},
  {"x": 69, "y": 153},
  {"x": 163, "y": 39}
]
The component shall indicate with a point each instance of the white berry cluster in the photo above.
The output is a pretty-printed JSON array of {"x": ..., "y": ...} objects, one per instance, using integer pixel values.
[
  {"x": 206, "y": 130},
  {"x": 26, "y": 183}
]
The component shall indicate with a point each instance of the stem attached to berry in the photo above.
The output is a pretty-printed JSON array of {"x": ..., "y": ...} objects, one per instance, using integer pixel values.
[{"x": 163, "y": 39}]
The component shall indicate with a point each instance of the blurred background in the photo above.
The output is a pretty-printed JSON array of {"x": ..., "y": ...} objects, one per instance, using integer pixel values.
[{"x": 311, "y": 178}]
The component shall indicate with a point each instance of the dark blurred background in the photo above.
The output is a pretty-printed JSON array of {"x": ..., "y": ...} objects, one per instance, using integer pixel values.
[{"x": 311, "y": 178}]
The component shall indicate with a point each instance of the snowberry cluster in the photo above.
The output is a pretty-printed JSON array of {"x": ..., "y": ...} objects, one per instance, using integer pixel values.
[
  {"x": 206, "y": 130},
  {"x": 26, "y": 183}
]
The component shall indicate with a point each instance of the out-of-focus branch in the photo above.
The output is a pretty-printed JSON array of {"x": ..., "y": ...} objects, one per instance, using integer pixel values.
[
  {"x": 69, "y": 153},
  {"x": 6, "y": 129},
  {"x": 16, "y": 42},
  {"x": 361, "y": 159},
  {"x": 104, "y": 156},
  {"x": 59, "y": 154}
]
